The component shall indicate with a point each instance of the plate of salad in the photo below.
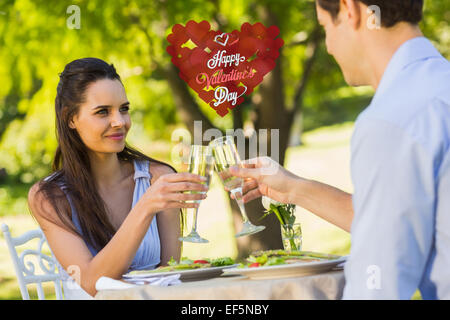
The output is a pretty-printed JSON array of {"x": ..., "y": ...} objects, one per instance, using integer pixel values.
[
  {"x": 189, "y": 269},
  {"x": 272, "y": 264}
]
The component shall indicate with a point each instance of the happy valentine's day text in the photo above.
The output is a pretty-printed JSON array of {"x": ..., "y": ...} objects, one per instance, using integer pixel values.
[{"x": 221, "y": 93}]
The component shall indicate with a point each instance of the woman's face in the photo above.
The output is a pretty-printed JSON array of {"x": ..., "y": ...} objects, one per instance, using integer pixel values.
[{"x": 103, "y": 120}]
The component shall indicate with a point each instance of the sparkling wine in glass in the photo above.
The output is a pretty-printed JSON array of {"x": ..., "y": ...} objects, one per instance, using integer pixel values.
[
  {"x": 201, "y": 162},
  {"x": 226, "y": 156}
]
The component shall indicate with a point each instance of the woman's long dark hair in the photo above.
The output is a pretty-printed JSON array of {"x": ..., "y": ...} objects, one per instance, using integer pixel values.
[{"x": 71, "y": 165}]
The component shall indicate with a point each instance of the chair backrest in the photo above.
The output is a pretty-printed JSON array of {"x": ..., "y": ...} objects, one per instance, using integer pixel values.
[{"x": 26, "y": 270}]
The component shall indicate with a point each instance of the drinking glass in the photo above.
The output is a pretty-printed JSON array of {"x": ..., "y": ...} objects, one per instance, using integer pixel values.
[
  {"x": 291, "y": 235},
  {"x": 226, "y": 155},
  {"x": 201, "y": 162}
]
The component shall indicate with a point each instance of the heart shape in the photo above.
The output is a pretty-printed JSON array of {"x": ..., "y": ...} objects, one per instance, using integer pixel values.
[
  {"x": 219, "y": 40},
  {"x": 223, "y": 67}
]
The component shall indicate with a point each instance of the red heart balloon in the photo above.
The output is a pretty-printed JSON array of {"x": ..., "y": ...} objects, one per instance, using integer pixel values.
[{"x": 223, "y": 67}]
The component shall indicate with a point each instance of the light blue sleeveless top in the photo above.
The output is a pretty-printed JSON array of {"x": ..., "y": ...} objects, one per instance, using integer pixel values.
[
  {"x": 149, "y": 252},
  {"x": 148, "y": 255}
]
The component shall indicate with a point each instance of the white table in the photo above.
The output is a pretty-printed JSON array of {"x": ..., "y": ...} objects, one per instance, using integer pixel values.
[{"x": 324, "y": 286}]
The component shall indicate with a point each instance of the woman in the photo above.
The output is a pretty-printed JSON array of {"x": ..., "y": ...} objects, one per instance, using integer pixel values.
[{"x": 107, "y": 208}]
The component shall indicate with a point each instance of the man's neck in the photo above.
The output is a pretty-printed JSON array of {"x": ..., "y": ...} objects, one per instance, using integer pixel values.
[{"x": 382, "y": 44}]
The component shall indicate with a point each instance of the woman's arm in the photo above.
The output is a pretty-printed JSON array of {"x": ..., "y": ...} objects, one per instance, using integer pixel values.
[
  {"x": 72, "y": 253},
  {"x": 168, "y": 222},
  {"x": 169, "y": 232},
  {"x": 115, "y": 258}
]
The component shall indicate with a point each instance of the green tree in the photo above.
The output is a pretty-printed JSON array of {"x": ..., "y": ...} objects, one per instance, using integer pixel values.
[{"x": 305, "y": 90}]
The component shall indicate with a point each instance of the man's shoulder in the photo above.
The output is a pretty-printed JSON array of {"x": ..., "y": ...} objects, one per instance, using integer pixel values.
[
  {"x": 428, "y": 125},
  {"x": 414, "y": 89},
  {"x": 416, "y": 102}
]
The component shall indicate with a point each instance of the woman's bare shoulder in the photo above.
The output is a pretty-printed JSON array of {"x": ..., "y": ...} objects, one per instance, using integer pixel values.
[
  {"x": 36, "y": 196},
  {"x": 158, "y": 169},
  {"x": 40, "y": 205}
]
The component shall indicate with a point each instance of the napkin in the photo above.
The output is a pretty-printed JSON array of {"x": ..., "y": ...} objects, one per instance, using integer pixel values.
[
  {"x": 105, "y": 283},
  {"x": 162, "y": 281}
]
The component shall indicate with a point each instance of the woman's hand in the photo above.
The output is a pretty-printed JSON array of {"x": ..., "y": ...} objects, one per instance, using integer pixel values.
[
  {"x": 167, "y": 192},
  {"x": 264, "y": 177}
]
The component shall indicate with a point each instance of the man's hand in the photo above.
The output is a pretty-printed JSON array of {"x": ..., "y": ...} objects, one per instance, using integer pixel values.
[{"x": 264, "y": 177}]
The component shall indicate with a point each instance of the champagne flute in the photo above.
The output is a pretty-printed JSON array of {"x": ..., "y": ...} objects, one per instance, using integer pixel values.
[
  {"x": 226, "y": 155},
  {"x": 201, "y": 162}
]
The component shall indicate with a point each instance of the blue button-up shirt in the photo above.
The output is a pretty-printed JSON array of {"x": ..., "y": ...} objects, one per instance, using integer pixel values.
[{"x": 400, "y": 166}]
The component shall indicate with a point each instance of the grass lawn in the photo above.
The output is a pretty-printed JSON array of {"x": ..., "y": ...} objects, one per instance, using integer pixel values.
[{"x": 325, "y": 156}]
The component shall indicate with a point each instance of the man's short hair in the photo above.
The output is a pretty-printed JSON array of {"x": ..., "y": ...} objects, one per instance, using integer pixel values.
[{"x": 392, "y": 11}]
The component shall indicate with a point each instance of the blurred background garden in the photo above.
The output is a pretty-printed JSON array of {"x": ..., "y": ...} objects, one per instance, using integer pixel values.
[{"x": 305, "y": 97}]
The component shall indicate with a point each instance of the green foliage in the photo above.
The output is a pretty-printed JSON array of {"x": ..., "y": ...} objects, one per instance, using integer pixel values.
[
  {"x": 36, "y": 44},
  {"x": 285, "y": 213},
  {"x": 13, "y": 198}
]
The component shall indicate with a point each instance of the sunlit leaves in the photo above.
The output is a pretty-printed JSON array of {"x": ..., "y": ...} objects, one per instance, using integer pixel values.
[{"x": 36, "y": 44}]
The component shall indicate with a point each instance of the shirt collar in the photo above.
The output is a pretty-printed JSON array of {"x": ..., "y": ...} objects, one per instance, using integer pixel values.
[{"x": 415, "y": 49}]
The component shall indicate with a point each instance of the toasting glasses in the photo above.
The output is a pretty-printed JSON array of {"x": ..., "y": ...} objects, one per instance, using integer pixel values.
[
  {"x": 226, "y": 155},
  {"x": 201, "y": 162}
]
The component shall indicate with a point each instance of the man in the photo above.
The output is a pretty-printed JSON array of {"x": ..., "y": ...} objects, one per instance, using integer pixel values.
[{"x": 399, "y": 214}]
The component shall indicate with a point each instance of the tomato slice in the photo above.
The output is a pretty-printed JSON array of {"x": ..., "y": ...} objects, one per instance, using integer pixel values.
[
  {"x": 201, "y": 261},
  {"x": 256, "y": 264}
]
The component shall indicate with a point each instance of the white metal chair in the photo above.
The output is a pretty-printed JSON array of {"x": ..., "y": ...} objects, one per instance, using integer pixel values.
[{"x": 26, "y": 271}]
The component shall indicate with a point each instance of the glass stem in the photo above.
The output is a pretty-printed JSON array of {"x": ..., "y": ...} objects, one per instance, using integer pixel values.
[
  {"x": 194, "y": 220},
  {"x": 237, "y": 193}
]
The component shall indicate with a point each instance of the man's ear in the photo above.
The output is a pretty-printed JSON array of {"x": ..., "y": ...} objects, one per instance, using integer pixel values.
[{"x": 351, "y": 10}]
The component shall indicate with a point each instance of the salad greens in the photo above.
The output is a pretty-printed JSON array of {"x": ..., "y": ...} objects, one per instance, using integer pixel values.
[
  {"x": 256, "y": 259},
  {"x": 279, "y": 257},
  {"x": 306, "y": 254},
  {"x": 187, "y": 264},
  {"x": 220, "y": 262},
  {"x": 265, "y": 260}
]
